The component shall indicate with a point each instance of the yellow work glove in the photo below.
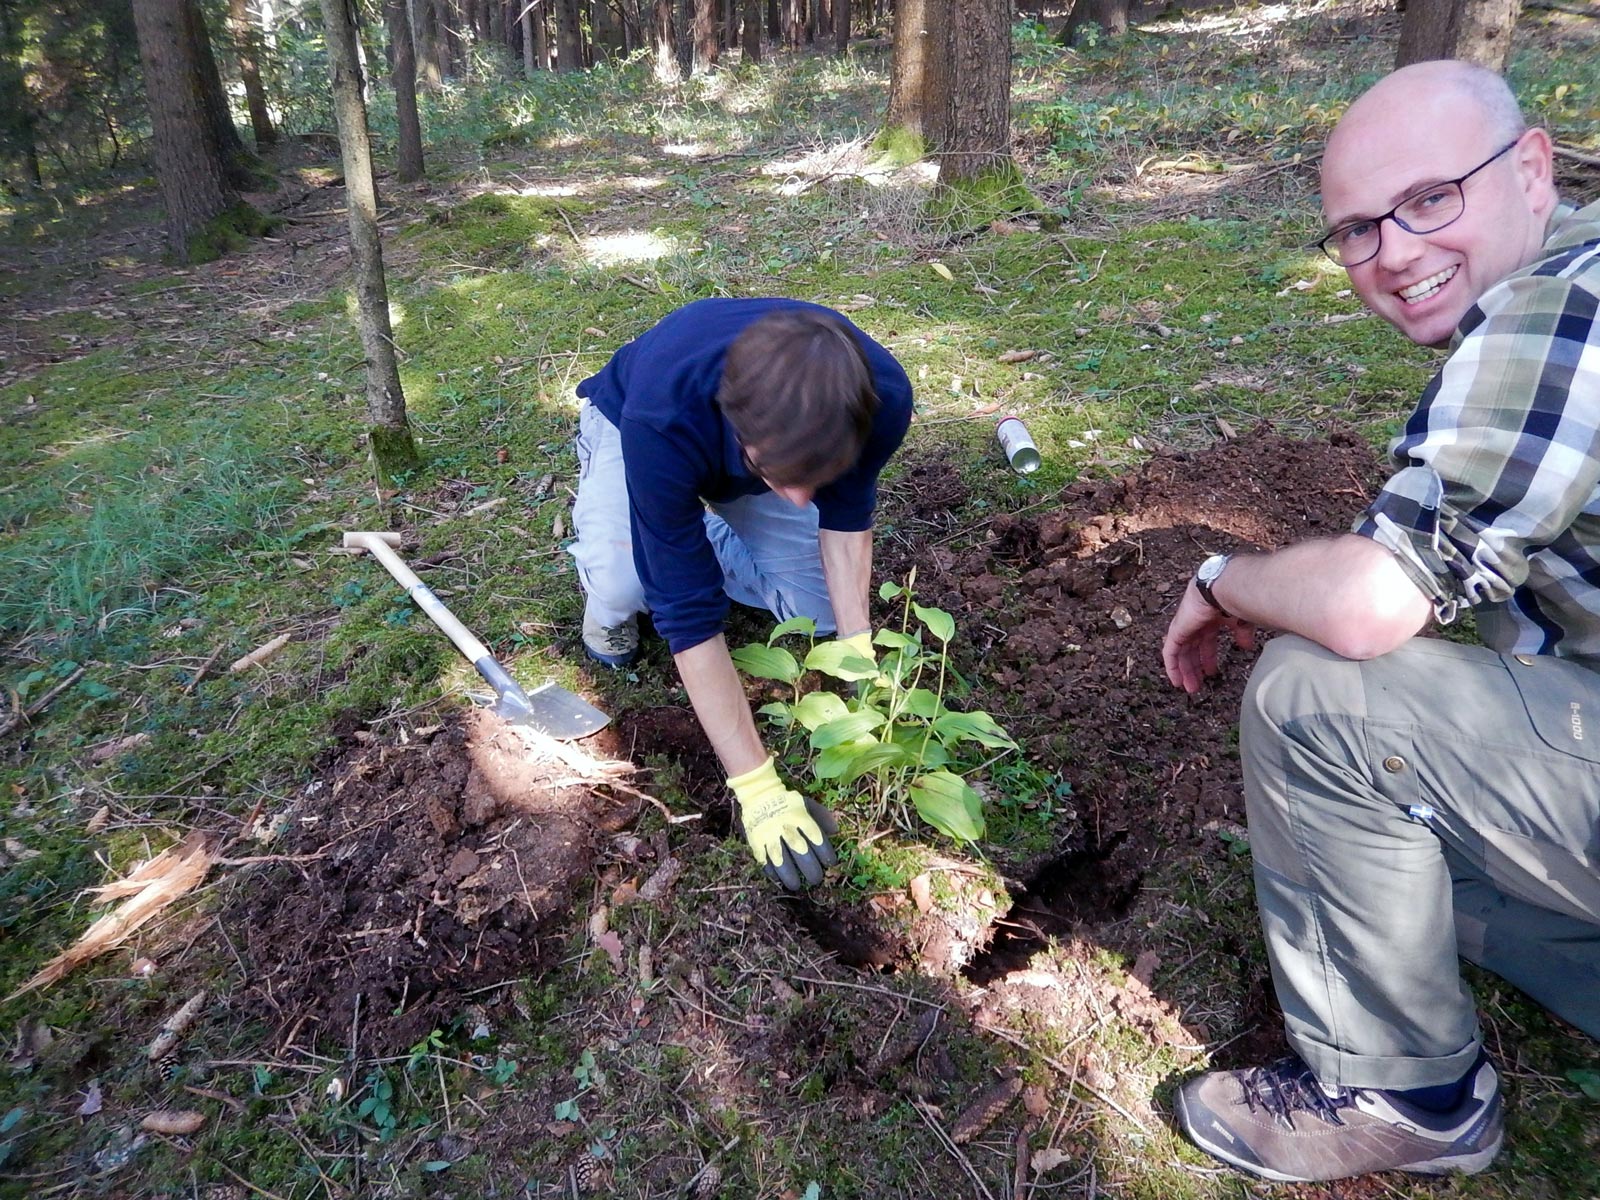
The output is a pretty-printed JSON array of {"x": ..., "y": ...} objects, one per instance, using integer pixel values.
[
  {"x": 861, "y": 643},
  {"x": 788, "y": 833}
]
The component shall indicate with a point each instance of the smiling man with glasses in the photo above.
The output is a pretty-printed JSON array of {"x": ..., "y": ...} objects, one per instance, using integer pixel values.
[{"x": 1412, "y": 799}]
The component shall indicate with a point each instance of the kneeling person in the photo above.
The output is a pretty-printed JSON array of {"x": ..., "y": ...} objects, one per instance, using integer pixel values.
[{"x": 733, "y": 450}]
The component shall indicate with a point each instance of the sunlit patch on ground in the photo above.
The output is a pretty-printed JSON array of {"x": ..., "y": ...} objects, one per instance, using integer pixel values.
[
  {"x": 630, "y": 246},
  {"x": 845, "y": 160}
]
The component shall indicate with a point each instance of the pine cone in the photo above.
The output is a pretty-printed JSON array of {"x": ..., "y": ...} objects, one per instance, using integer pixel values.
[
  {"x": 903, "y": 1047},
  {"x": 591, "y": 1176},
  {"x": 709, "y": 1183},
  {"x": 991, "y": 1102}
]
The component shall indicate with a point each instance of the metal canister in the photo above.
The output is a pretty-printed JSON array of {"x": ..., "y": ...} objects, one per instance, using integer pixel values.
[{"x": 1018, "y": 445}]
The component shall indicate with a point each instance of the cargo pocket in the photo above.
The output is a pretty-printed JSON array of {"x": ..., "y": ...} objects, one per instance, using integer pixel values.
[{"x": 1562, "y": 700}]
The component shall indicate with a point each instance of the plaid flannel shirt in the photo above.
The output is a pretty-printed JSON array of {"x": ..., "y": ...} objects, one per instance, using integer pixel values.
[{"x": 1496, "y": 500}]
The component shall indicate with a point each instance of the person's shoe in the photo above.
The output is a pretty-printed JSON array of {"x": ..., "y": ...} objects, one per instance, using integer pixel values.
[
  {"x": 614, "y": 646},
  {"x": 1280, "y": 1123}
]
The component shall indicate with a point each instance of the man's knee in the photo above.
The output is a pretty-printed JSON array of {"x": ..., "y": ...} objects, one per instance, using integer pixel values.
[{"x": 1293, "y": 679}]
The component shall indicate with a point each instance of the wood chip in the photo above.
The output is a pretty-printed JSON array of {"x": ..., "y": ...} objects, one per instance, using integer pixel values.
[
  {"x": 259, "y": 655},
  {"x": 1017, "y": 356},
  {"x": 174, "y": 1123}
]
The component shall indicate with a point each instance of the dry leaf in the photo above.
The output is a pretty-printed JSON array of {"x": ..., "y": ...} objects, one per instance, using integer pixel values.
[
  {"x": 942, "y": 271},
  {"x": 1226, "y": 430},
  {"x": 1144, "y": 967},
  {"x": 1048, "y": 1159},
  {"x": 599, "y": 922},
  {"x": 93, "y": 1102},
  {"x": 659, "y": 886},
  {"x": 101, "y": 818},
  {"x": 612, "y": 945},
  {"x": 1016, "y": 356},
  {"x": 922, "y": 892},
  {"x": 172, "y": 1122},
  {"x": 109, "y": 750}
]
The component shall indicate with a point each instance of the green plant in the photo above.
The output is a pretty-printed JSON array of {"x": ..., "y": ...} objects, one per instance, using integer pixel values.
[
  {"x": 378, "y": 1105},
  {"x": 896, "y": 732}
]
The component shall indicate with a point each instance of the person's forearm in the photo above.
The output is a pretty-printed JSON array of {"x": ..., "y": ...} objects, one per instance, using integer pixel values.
[
  {"x": 712, "y": 682},
  {"x": 847, "y": 566},
  {"x": 1346, "y": 593}
]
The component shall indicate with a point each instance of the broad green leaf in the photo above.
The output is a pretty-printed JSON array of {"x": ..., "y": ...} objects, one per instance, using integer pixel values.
[
  {"x": 972, "y": 727},
  {"x": 767, "y": 662},
  {"x": 940, "y": 623},
  {"x": 846, "y": 728},
  {"x": 920, "y": 702},
  {"x": 840, "y": 661},
  {"x": 1588, "y": 1081},
  {"x": 836, "y": 760},
  {"x": 931, "y": 756},
  {"x": 803, "y": 625},
  {"x": 818, "y": 708},
  {"x": 875, "y": 757},
  {"x": 436, "y": 1164},
  {"x": 888, "y": 590},
  {"x": 893, "y": 638},
  {"x": 949, "y": 805},
  {"x": 778, "y": 712},
  {"x": 9, "y": 1121}
]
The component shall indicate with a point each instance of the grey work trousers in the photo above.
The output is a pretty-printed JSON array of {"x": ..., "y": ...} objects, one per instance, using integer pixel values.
[{"x": 1438, "y": 800}]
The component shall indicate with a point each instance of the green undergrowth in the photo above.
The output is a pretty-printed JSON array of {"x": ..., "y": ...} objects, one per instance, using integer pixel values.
[{"x": 172, "y": 499}]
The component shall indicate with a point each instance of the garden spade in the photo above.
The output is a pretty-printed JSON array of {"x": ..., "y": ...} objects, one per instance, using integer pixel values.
[{"x": 551, "y": 710}]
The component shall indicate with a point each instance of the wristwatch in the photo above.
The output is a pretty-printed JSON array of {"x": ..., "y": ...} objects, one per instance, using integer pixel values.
[{"x": 1206, "y": 578}]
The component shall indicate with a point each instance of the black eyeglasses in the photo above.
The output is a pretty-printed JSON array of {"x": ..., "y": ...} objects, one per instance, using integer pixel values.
[{"x": 1427, "y": 211}]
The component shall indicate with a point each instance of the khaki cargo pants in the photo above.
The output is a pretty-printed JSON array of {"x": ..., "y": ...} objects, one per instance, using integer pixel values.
[{"x": 1439, "y": 800}]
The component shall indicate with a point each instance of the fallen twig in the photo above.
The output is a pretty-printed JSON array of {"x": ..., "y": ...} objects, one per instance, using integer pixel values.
[
  {"x": 955, "y": 1150},
  {"x": 39, "y": 705}
]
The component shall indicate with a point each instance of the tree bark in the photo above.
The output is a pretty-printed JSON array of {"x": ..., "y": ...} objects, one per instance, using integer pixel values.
[
  {"x": 408, "y": 166},
  {"x": 751, "y": 45},
  {"x": 664, "y": 42},
  {"x": 774, "y": 22},
  {"x": 705, "y": 36},
  {"x": 1110, "y": 15},
  {"x": 237, "y": 161},
  {"x": 975, "y": 143},
  {"x": 190, "y": 170},
  {"x": 908, "y": 72},
  {"x": 569, "y": 36},
  {"x": 14, "y": 96},
  {"x": 1475, "y": 31},
  {"x": 425, "y": 34},
  {"x": 247, "y": 45},
  {"x": 841, "y": 25},
  {"x": 389, "y": 433},
  {"x": 525, "y": 21},
  {"x": 730, "y": 26}
]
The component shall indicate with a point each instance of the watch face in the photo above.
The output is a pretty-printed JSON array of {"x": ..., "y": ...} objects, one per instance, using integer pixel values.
[{"x": 1212, "y": 567}]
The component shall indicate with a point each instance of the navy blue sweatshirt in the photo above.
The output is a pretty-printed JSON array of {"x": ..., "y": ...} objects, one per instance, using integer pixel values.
[{"x": 679, "y": 452}]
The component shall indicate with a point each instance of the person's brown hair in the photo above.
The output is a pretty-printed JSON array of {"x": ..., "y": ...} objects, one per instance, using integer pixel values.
[{"x": 798, "y": 391}]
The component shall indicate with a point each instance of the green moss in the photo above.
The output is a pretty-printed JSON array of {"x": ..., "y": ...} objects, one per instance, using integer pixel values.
[
  {"x": 982, "y": 199},
  {"x": 394, "y": 452},
  {"x": 229, "y": 230},
  {"x": 898, "y": 146}
]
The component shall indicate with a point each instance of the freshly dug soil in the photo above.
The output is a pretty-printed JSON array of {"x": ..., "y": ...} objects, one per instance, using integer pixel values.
[{"x": 439, "y": 864}]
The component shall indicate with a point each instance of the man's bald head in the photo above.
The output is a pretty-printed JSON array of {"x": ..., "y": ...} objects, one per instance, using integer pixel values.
[{"x": 1436, "y": 137}]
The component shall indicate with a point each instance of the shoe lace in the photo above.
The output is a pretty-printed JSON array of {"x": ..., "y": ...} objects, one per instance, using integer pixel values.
[
  {"x": 1288, "y": 1087},
  {"x": 617, "y": 638}
]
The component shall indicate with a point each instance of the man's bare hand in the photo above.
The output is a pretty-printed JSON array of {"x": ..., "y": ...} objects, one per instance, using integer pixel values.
[{"x": 1190, "y": 649}]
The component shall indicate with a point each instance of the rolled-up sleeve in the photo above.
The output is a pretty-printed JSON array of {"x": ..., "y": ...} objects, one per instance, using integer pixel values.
[{"x": 1504, "y": 450}]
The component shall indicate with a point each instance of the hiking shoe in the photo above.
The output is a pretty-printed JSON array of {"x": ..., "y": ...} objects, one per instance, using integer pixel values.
[
  {"x": 1280, "y": 1123},
  {"x": 614, "y": 646}
]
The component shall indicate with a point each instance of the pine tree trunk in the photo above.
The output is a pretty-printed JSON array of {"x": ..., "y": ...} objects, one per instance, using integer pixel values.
[
  {"x": 906, "y": 125},
  {"x": 569, "y": 36},
  {"x": 389, "y": 432},
  {"x": 939, "y": 82},
  {"x": 664, "y": 42},
  {"x": 975, "y": 146},
  {"x": 752, "y": 31},
  {"x": 15, "y": 97},
  {"x": 730, "y": 27},
  {"x": 247, "y": 44},
  {"x": 541, "y": 33},
  {"x": 189, "y": 165},
  {"x": 425, "y": 34},
  {"x": 841, "y": 25},
  {"x": 1475, "y": 31},
  {"x": 530, "y": 61},
  {"x": 774, "y": 22},
  {"x": 705, "y": 36},
  {"x": 236, "y": 159},
  {"x": 408, "y": 166}
]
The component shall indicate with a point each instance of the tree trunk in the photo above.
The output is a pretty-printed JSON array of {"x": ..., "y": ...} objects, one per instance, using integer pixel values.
[
  {"x": 664, "y": 42},
  {"x": 1110, "y": 15},
  {"x": 542, "y": 18},
  {"x": 425, "y": 27},
  {"x": 1475, "y": 31},
  {"x": 530, "y": 62},
  {"x": 974, "y": 150},
  {"x": 236, "y": 159},
  {"x": 705, "y": 36},
  {"x": 569, "y": 36},
  {"x": 15, "y": 100},
  {"x": 906, "y": 127},
  {"x": 752, "y": 31},
  {"x": 389, "y": 433},
  {"x": 190, "y": 170},
  {"x": 841, "y": 25},
  {"x": 409, "y": 152},
  {"x": 774, "y": 22},
  {"x": 730, "y": 26},
  {"x": 247, "y": 44}
]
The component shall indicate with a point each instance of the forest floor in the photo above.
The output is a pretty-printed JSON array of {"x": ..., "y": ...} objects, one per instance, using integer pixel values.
[{"x": 440, "y": 957}]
